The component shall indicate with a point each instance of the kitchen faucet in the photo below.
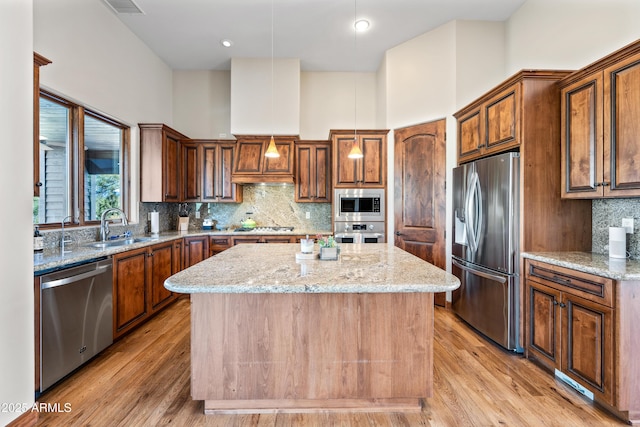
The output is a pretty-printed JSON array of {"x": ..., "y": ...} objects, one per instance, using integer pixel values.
[
  {"x": 63, "y": 239},
  {"x": 104, "y": 222}
]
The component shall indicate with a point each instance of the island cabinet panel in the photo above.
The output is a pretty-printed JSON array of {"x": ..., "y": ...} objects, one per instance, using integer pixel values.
[
  {"x": 311, "y": 352},
  {"x": 600, "y": 110},
  {"x": 367, "y": 172},
  {"x": 160, "y": 170},
  {"x": 313, "y": 172},
  {"x": 587, "y": 327}
]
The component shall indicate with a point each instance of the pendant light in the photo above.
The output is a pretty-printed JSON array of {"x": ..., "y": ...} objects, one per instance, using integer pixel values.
[
  {"x": 356, "y": 152},
  {"x": 272, "y": 150}
]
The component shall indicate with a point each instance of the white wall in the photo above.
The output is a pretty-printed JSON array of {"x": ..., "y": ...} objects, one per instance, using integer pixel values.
[
  {"x": 98, "y": 62},
  {"x": 327, "y": 102},
  {"x": 569, "y": 34},
  {"x": 201, "y": 107},
  {"x": 16, "y": 179}
]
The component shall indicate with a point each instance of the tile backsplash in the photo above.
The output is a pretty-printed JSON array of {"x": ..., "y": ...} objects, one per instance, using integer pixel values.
[{"x": 609, "y": 213}]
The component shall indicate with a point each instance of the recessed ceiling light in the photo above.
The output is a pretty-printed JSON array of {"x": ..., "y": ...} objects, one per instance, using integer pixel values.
[
  {"x": 226, "y": 42},
  {"x": 361, "y": 25}
]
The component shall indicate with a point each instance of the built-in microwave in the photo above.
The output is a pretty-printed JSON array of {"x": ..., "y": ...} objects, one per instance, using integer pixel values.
[{"x": 358, "y": 204}]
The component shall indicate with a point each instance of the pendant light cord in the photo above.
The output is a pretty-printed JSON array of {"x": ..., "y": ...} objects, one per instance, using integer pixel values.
[
  {"x": 272, "y": 94},
  {"x": 355, "y": 74}
]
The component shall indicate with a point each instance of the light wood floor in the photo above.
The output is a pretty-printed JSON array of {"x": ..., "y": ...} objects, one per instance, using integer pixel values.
[{"x": 143, "y": 380}]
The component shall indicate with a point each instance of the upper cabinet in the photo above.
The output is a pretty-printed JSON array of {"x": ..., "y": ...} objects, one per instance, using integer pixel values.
[
  {"x": 159, "y": 163},
  {"x": 252, "y": 167},
  {"x": 600, "y": 124},
  {"x": 38, "y": 61},
  {"x": 313, "y": 172},
  {"x": 367, "y": 172},
  {"x": 206, "y": 171}
]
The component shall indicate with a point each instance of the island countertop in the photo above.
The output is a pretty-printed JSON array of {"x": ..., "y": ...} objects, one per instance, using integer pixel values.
[{"x": 273, "y": 268}]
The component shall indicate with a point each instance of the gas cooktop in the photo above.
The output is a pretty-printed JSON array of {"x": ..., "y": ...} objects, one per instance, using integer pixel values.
[{"x": 263, "y": 229}]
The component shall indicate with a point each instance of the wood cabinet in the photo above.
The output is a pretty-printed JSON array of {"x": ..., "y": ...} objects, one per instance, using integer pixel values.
[
  {"x": 586, "y": 326},
  {"x": 491, "y": 126},
  {"x": 138, "y": 283},
  {"x": 38, "y": 61},
  {"x": 251, "y": 166},
  {"x": 313, "y": 172},
  {"x": 237, "y": 240},
  {"x": 367, "y": 172},
  {"x": 218, "y": 244},
  {"x": 600, "y": 110},
  {"x": 160, "y": 171},
  {"x": 206, "y": 172},
  {"x": 196, "y": 249}
]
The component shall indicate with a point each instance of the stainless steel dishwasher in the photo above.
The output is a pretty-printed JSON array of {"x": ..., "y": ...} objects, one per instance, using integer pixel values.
[{"x": 76, "y": 318}]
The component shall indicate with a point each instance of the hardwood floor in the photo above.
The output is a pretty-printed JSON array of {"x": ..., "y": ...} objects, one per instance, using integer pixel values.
[{"x": 143, "y": 380}]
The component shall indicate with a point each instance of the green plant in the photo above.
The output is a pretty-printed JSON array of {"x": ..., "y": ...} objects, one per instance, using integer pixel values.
[{"x": 326, "y": 242}]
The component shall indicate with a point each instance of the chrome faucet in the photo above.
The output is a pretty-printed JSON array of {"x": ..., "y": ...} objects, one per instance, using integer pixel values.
[
  {"x": 63, "y": 240},
  {"x": 104, "y": 222}
]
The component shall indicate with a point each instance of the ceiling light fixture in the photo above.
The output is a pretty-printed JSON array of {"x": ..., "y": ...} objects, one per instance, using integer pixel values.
[
  {"x": 272, "y": 150},
  {"x": 356, "y": 152},
  {"x": 226, "y": 42},
  {"x": 361, "y": 25}
]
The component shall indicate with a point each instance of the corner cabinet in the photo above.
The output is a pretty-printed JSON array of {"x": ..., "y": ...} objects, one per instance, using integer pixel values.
[
  {"x": 251, "y": 166},
  {"x": 600, "y": 124},
  {"x": 313, "y": 172},
  {"x": 160, "y": 175},
  {"x": 206, "y": 167},
  {"x": 367, "y": 172},
  {"x": 138, "y": 283},
  {"x": 587, "y": 327}
]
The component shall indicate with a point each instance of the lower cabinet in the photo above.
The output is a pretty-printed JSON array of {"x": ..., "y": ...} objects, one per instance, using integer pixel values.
[
  {"x": 196, "y": 249},
  {"x": 218, "y": 244},
  {"x": 577, "y": 323},
  {"x": 262, "y": 239},
  {"x": 138, "y": 283}
]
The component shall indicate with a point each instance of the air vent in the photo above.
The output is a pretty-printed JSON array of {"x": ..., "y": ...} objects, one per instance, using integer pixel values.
[{"x": 124, "y": 6}]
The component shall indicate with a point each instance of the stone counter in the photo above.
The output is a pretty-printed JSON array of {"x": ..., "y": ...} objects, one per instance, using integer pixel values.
[
  {"x": 592, "y": 263},
  {"x": 273, "y": 268}
]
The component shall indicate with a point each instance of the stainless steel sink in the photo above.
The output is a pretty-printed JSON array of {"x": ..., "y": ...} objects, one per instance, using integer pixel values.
[{"x": 114, "y": 243}]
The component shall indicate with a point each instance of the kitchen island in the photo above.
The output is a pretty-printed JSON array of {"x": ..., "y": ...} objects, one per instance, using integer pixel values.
[{"x": 270, "y": 333}]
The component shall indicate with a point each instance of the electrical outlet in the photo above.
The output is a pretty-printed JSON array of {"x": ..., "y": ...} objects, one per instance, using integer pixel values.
[
  {"x": 627, "y": 223},
  {"x": 308, "y": 215},
  {"x": 197, "y": 214}
]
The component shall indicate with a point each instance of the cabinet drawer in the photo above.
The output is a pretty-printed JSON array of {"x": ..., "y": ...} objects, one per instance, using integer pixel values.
[
  {"x": 590, "y": 287},
  {"x": 218, "y": 244}
]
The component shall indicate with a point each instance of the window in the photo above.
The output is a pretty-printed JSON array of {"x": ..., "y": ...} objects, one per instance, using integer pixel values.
[{"x": 83, "y": 156}]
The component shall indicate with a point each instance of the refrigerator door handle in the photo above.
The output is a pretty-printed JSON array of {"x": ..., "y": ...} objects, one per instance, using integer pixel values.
[
  {"x": 473, "y": 212},
  {"x": 489, "y": 276}
]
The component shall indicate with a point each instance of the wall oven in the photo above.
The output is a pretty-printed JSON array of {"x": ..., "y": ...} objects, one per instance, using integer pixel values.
[{"x": 359, "y": 215}]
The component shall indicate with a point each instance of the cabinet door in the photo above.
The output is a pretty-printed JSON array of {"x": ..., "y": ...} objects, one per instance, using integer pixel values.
[
  {"x": 581, "y": 138},
  {"x": 218, "y": 244},
  {"x": 246, "y": 239},
  {"x": 469, "y": 136},
  {"x": 177, "y": 256},
  {"x": 277, "y": 239},
  {"x": 130, "y": 277},
  {"x": 373, "y": 165},
  {"x": 622, "y": 128},
  {"x": 171, "y": 168},
  {"x": 282, "y": 164},
  {"x": 502, "y": 120},
  {"x": 543, "y": 324},
  {"x": 225, "y": 189},
  {"x": 190, "y": 173},
  {"x": 587, "y": 353},
  {"x": 304, "y": 173},
  {"x": 250, "y": 157},
  {"x": 161, "y": 264},
  {"x": 209, "y": 170},
  {"x": 196, "y": 249},
  {"x": 313, "y": 172},
  {"x": 345, "y": 170}
]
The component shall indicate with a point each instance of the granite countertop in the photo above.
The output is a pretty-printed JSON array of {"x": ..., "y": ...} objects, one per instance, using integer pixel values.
[
  {"x": 592, "y": 263},
  {"x": 53, "y": 259},
  {"x": 361, "y": 268}
]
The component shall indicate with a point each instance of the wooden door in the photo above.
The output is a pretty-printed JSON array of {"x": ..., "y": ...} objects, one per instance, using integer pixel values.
[
  {"x": 171, "y": 169},
  {"x": 622, "y": 128},
  {"x": 196, "y": 249},
  {"x": 587, "y": 344},
  {"x": 543, "y": 324},
  {"x": 190, "y": 173},
  {"x": 419, "y": 186},
  {"x": 581, "y": 138},
  {"x": 130, "y": 278},
  {"x": 160, "y": 268}
]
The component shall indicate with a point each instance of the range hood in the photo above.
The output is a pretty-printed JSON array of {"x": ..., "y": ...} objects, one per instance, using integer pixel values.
[{"x": 251, "y": 166}]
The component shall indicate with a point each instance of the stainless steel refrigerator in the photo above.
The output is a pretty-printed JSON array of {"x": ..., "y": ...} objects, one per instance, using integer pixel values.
[{"x": 486, "y": 247}]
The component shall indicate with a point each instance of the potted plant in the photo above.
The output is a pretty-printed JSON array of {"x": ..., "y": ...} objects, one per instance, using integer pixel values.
[{"x": 328, "y": 248}]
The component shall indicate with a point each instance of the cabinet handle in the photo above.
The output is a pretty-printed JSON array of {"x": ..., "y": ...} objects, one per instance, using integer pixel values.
[
  {"x": 562, "y": 305},
  {"x": 555, "y": 302},
  {"x": 561, "y": 280},
  {"x": 38, "y": 184},
  {"x": 605, "y": 184}
]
